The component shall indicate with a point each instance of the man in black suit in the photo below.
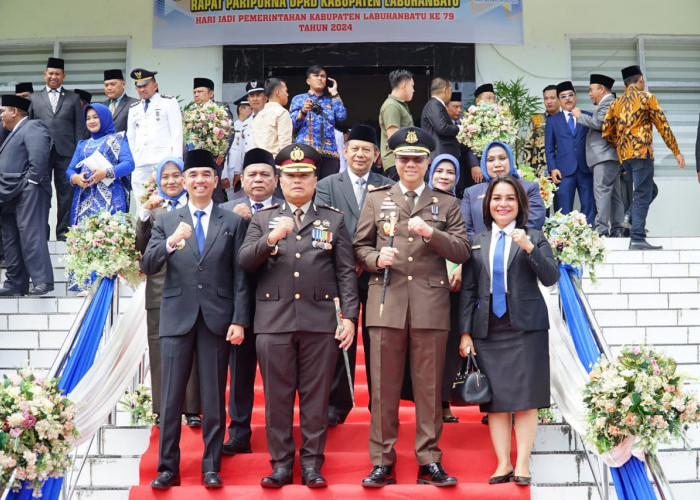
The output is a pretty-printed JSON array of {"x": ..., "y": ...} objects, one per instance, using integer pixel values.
[
  {"x": 469, "y": 165},
  {"x": 62, "y": 113},
  {"x": 259, "y": 181},
  {"x": 346, "y": 191},
  {"x": 118, "y": 102},
  {"x": 302, "y": 256},
  {"x": 436, "y": 121},
  {"x": 25, "y": 196},
  {"x": 205, "y": 308}
]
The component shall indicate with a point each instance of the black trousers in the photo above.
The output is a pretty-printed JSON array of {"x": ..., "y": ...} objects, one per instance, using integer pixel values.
[
  {"x": 24, "y": 239},
  {"x": 340, "y": 402},
  {"x": 242, "y": 363},
  {"x": 212, "y": 362},
  {"x": 64, "y": 192}
]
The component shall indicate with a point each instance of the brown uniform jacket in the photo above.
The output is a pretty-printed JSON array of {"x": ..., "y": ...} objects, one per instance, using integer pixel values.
[
  {"x": 296, "y": 286},
  {"x": 418, "y": 279},
  {"x": 154, "y": 283}
]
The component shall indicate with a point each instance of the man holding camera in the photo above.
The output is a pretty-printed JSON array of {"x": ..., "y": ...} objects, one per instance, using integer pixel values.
[{"x": 314, "y": 115}]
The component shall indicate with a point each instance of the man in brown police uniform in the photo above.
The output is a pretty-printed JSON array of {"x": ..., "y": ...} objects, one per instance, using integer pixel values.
[
  {"x": 302, "y": 256},
  {"x": 416, "y": 311}
]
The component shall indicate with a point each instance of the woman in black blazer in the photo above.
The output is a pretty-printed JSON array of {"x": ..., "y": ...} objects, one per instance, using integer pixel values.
[{"x": 507, "y": 323}]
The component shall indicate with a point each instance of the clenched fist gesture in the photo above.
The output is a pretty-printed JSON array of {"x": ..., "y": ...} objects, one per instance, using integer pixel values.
[{"x": 183, "y": 231}]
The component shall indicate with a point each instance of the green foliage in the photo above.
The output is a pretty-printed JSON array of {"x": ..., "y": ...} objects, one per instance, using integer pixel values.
[{"x": 522, "y": 105}]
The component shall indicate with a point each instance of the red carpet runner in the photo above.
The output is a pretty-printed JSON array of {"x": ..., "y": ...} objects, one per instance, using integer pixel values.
[{"x": 466, "y": 447}]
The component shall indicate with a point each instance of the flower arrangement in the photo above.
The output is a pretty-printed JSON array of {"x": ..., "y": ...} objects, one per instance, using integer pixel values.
[
  {"x": 485, "y": 123},
  {"x": 105, "y": 244},
  {"x": 139, "y": 404},
  {"x": 37, "y": 423},
  {"x": 206, "y": 126},
  {"x": 547, "y": 187},
  {"x": 150, "y": 187},
  {"x": 638, "y": 394},
  {"x": 574, "y": 242}
]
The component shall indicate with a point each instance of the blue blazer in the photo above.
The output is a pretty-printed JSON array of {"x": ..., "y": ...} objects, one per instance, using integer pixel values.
[
  {"x": 472, "y": 207},
  {"x": 564, "y": 151}
]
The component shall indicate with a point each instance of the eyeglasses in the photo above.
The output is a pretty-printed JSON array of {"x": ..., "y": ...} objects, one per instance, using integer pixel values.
[{"x": 570, "y": 95}]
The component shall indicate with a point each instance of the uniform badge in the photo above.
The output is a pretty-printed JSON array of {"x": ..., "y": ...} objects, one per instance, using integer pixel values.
[
  {"x": 273, "y": 223},
  {"x": 435, "y": 200},
  {"x": 321, "y": 239},
  {"x": 157, "y": 114},
  {"x": 434, "y": 211},
  {"x": 326, "y": 223},
  {"x": 381, "y": 215},
  {"x": 317, "y": 223},
  {"x": 411, "y": 137},
  {"x": 371, "y": 187},
  {"x": 297, "y": 154},
  {"x": 137, "y": 75}
]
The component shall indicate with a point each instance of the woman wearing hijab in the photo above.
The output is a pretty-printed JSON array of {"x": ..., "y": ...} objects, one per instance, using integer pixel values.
[
  {"x": 171, "y": 195},
  {"x": 100, "y": 167},
  {"x": 498, "y": 159},
  {"x": 99, "y": 171}
]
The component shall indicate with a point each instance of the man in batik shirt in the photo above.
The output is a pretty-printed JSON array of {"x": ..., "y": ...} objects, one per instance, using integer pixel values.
[{"x": 533, "y": 151}]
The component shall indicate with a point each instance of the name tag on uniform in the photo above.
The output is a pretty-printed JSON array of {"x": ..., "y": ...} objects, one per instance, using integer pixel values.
[
  {"x": 476, "y": 247},
  {"x": 481, "y": 196}
]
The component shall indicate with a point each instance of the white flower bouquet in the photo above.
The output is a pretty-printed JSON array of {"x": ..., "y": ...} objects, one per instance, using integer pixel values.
[
  {"x": 206, "y": 126},
  {"x": 574, "y": 242},
  {"x": 547, "y": 187},
  {"x": 105, "y": 244},
  {"x": 637, "y": 395},
  {"x": 37, "y": 425},
  {"x": 485, "y": 123}
]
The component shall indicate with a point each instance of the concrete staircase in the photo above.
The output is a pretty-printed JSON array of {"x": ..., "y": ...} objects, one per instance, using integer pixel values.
[
  {"x": 648, "y": 297},
  {"x": 641, "y": 297}
]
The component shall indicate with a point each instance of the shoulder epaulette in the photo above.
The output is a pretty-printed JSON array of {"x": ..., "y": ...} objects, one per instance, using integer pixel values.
[
  {"x": 166, "y": 96},
  {"x": 135, "y": 103},
  {"x": 371, "y": 189},
  {"x": 276, "y": 205},
  {"x": 443, "y": 191},
  {"x": 333, "y": 208}
]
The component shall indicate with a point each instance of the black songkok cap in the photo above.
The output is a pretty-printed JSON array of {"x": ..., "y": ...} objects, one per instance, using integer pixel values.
[
  {"x": 456, "y": 96},
  {"x": 486, "y": 87},
  {"x": 603, "y": 80},
  {"x": 197, "y": 158},
  {"x": 360, "y": 132},
  {"x": 411, "y": 141},
  {"x": 24, "y": 87},
  {"x": 203, "y": 82},
  {"x": 631, "y": 71},
  {"x": 258, "y": 155},
  {"x": 113, "y": 74},
  {"x": 55, "y": 62},
  {"x": 564, "y": 86},
  {"x": 85, "y": 96},
  {"x": 15, "y": 101},
  {"x": 254, "y": 86}
]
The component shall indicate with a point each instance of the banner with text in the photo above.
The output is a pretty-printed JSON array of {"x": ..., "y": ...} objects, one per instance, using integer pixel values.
[{"x": 192, "y": 23}]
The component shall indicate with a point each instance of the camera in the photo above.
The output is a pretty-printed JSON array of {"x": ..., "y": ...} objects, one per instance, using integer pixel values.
[{"x": 316, "y": 108}]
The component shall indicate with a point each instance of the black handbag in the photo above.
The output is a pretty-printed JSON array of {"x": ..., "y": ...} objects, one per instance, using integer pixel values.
[{"x": 471, "y": 387}]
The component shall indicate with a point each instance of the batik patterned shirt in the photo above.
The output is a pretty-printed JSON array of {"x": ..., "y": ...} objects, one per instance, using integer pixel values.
[
  {"x": 628, "y": 125},
  {"x": 313, "y": 129}
]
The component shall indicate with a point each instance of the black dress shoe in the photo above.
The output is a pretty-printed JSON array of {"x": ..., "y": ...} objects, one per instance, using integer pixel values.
[
  {"x": 165, "y": 480},
  {"x": 41, "y": 289},
  {"x": 9, "y": 292},
  {"x": 193, "y": 420},
  {"x": 450, "y": 419},
  {"x": 641, "y": 245},
  {"x": 434, "y": 474},
  {"x": 379, "y": 476},
  {"x": 311, "y": 477},
  {"x": 522, "y": 480},
  {"x": 335, "y": 419},
  {"x": 234, "y": 447},
  {"x": 211, "y": 480},
  {"x": 156, "y": 420},
  {"x": 501, "y": 479},
  {"x": 618, "y": 233},
  {"x": 277, "y": 479}
]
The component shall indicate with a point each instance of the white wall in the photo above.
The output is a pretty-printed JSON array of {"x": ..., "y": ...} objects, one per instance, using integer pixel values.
[{"x": 75, "y": 19}]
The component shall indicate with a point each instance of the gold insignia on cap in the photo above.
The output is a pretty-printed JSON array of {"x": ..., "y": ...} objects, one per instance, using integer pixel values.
[
  {"x": 411, "y": 137},
  {"x": 297, "y": 154},
  {"x": 137, "y": 75}
]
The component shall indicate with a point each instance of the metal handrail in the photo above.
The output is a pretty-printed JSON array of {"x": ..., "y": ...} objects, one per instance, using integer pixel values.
[{"x": 662, "y": 485}]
